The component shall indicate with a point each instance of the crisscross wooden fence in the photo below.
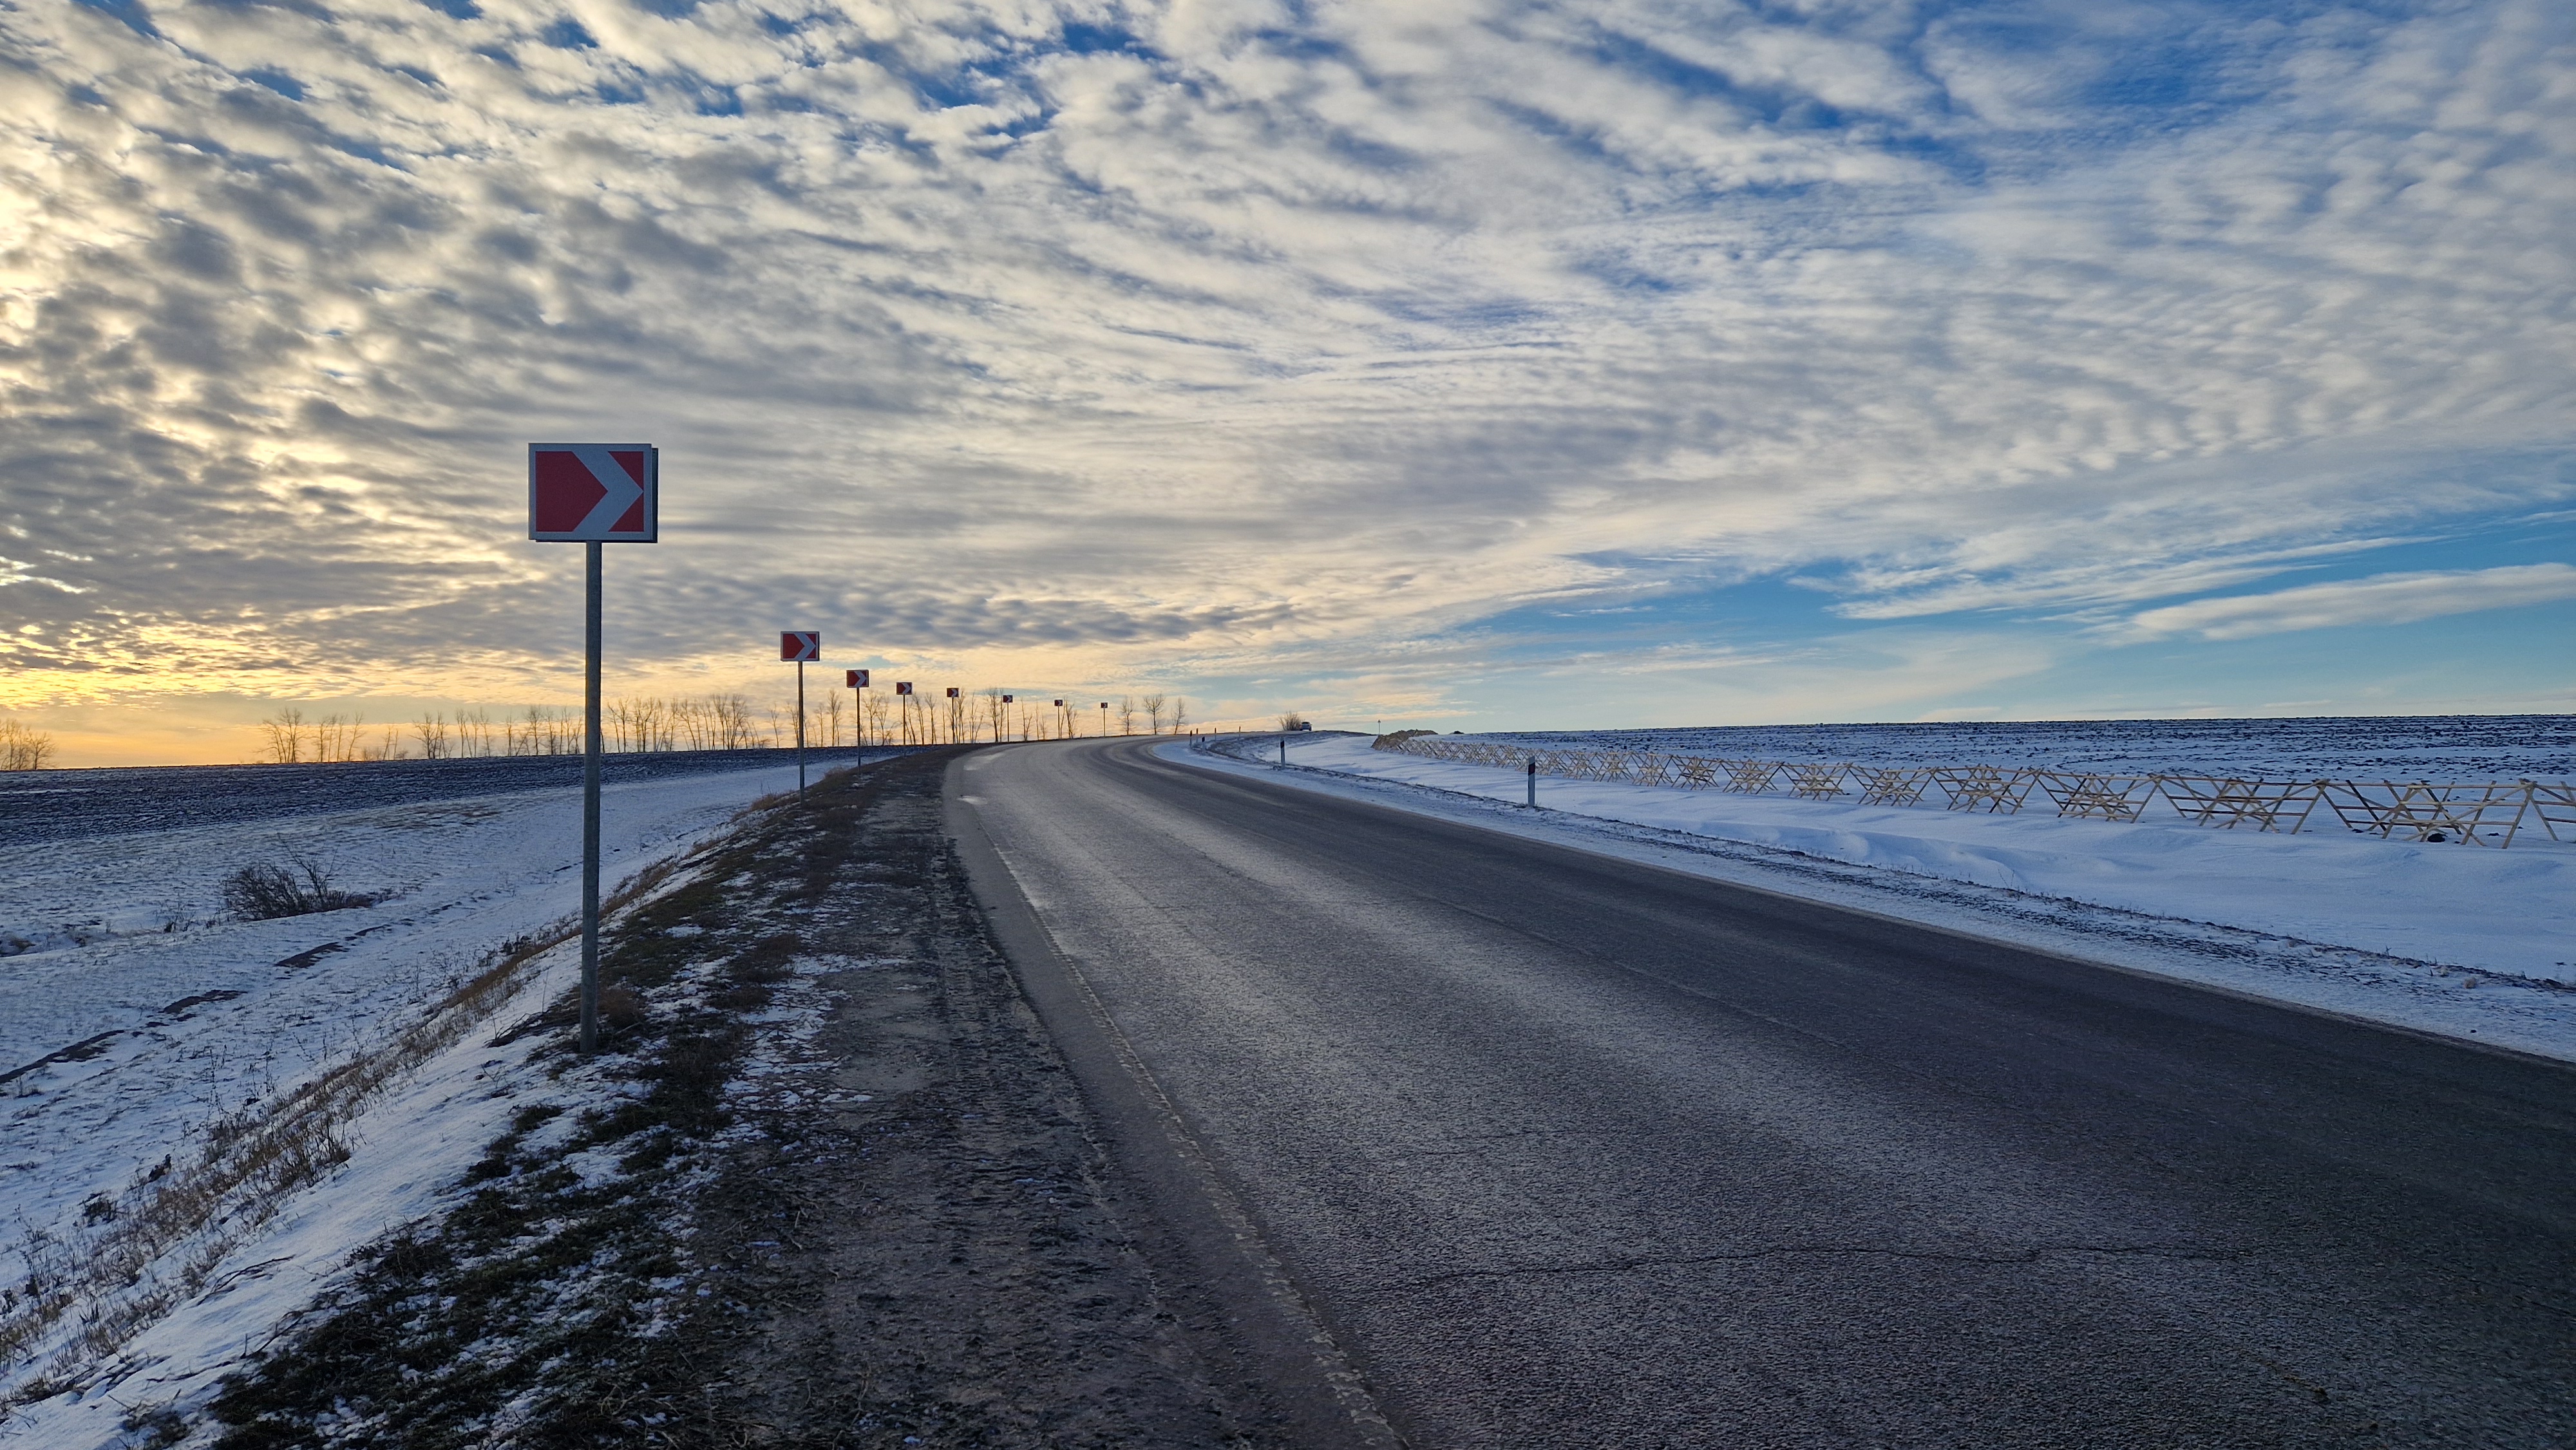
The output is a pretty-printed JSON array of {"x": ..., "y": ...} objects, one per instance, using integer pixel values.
[
  {"x": 2488, "y": 813},
  {"x": 2266, "y": 805}
]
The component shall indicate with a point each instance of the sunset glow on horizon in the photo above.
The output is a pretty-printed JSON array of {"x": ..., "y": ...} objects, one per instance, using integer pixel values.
[{"x": 1478, "y": 365}]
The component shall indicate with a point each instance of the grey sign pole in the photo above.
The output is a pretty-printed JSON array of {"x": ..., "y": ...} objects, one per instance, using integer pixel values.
[
  {"x": 800, "y": 730},
  {"x": 590, "y": 751}
]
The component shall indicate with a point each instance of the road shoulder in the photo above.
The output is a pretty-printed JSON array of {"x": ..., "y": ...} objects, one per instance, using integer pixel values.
[{"x": 831, "y": 1185}]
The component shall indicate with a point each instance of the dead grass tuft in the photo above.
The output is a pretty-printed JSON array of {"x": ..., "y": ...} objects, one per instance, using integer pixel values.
[{"x": 265, "y": 890}]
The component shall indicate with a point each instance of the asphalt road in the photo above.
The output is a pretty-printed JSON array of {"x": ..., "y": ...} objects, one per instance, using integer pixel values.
[{"x": 1566, "y": 1151}]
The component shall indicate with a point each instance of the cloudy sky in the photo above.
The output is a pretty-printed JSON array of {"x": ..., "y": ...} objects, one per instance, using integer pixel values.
[{"x": 1456, "y": 362}]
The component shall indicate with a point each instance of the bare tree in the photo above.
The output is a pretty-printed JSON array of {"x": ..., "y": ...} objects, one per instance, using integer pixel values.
[
  {"x": 652, "y": 717},
  {"x": 431, "y": 731},
  {"x": 731, "y": 718},
  {"x": 1154, "y": 713},
  {"x": 1291, "y": 720},
  {"x": 1126, "y": 714},
  {"x": 473, "y": 732},
  {"x": 22, "y": 748},
  {"x": 1180, "y": 713},
  {"x": 286, "y": 731}
]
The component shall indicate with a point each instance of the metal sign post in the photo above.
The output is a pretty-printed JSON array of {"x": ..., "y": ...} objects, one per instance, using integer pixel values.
[
  {"x": 800, "y": 645},
  {"x": 592, "y": 494},
  {"x": 857, "y": 680}
]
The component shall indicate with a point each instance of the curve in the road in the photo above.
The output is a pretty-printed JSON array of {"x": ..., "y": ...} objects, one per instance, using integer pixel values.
[{"x": 1565, "y": 1150}]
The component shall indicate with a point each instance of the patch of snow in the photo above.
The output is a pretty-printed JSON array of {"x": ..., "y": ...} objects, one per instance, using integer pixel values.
[{"x": 173, "y": 1028}]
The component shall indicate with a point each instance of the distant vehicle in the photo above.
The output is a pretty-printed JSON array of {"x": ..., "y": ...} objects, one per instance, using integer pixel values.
[{"x": 1303, "y": 725}]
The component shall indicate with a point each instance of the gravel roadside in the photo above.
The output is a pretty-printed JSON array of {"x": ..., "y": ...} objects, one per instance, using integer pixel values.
[{"x": 839, "y": 1190}]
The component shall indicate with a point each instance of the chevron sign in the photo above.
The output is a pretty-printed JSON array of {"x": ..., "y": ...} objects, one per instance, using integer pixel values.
[
  {"x": 594, "y": 493},
  {"x": 800, "y": 645}
]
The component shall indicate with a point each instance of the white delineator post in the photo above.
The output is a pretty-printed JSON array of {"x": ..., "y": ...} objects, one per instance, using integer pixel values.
[{"x": 592, "y": 494}]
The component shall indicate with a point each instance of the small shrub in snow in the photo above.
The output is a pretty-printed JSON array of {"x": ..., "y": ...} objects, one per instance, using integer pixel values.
[
  {"x": 620, "y": 1007},
  {"x": 264, "y": 890}
]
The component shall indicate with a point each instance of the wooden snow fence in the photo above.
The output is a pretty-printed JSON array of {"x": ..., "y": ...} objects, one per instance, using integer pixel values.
[
  {"x": 2226, "y": 803},
  {"x": 2483, "y": 814},
  {"x": 1892, "y": 785},
  {"x": 1815, "y": 782},
  {"x": 2086, "y": 796},
  {"x": 2473, "y": 815},
  {"x": 1989, "y": 788},
  {"x": 1751, "y": 777},
  {"x": 1697, "y": 772},
  {"x": 2555, "y": 808}
]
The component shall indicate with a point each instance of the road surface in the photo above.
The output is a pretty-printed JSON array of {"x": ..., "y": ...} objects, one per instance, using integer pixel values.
[{"x": 1558, "y": 1150}]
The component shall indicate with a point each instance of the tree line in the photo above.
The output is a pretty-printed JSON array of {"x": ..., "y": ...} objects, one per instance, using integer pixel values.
[{"x": 641, "y": 723}]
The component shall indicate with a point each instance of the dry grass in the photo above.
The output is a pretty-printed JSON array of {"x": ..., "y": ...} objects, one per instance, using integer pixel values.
[
  {"x": 119, "y": 1275},
  {"x": 264, "y": 891}
]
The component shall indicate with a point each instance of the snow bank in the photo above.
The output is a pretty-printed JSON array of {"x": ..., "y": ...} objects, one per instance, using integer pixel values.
[
  {"x": 2407, "y": 933},
  {"x": 2506, "y": 911}
]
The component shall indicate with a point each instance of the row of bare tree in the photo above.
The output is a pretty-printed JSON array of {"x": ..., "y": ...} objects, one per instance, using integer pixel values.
[
  {"x": 993, "y": 715},
  {"x": 703, "y": 722},
  {"x": 290, "y": 738}
]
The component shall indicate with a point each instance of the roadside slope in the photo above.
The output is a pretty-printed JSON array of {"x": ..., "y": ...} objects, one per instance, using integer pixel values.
[{"x": 827, "y": 1185}]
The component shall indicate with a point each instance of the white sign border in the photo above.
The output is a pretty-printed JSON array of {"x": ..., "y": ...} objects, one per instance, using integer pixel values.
[{"x": 652, "y": 495}]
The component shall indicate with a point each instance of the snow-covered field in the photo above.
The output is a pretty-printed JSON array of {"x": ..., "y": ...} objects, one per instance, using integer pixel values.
[
  {"x": 140, "y": 1018},
  {"x": 2428, "y": 747},
  {"x": 2448, "y": 938}
]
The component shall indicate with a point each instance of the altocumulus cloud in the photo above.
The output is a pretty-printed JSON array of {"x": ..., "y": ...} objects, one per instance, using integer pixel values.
[
  {"x": 2380, "y": 599},
  {"x": 1242, "y": 332}
]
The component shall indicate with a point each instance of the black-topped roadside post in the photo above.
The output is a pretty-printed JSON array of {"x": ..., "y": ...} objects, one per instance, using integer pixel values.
[{"x": 592, "y": 494}]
